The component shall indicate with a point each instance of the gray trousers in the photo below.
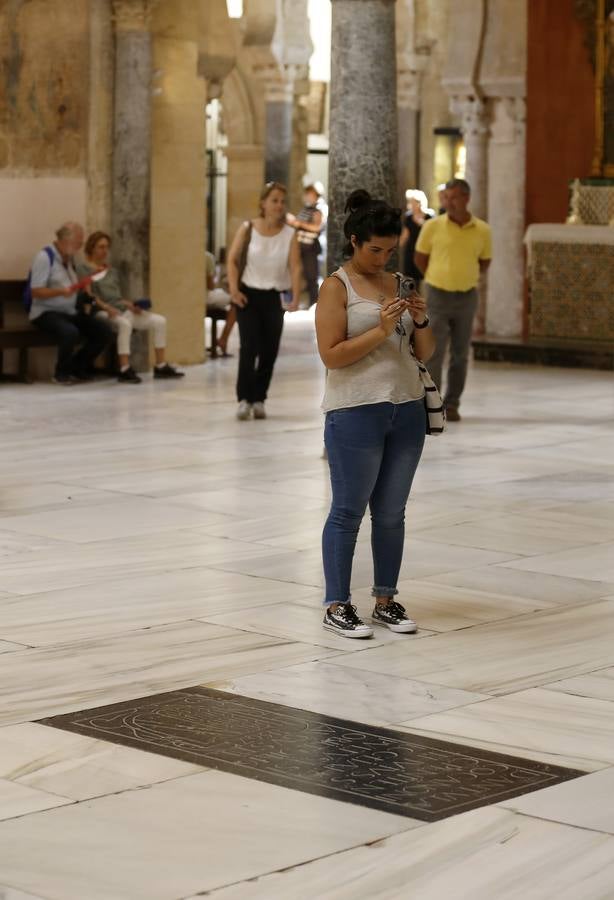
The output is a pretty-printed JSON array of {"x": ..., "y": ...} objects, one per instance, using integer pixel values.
[{"x": 451, "y": 314}]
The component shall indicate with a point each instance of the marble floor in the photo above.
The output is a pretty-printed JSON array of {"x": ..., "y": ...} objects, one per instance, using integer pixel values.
[{"x": 149, "y": 542}]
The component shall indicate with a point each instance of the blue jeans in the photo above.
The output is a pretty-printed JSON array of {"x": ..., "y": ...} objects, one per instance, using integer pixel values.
[{"x": 373, "y": 454}]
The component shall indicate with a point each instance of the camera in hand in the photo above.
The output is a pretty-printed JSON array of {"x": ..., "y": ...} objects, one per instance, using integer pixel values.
[{"x": 406, "y": 286}]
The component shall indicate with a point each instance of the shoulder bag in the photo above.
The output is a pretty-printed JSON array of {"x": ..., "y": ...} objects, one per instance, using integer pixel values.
[
  {"x": 244, "y": 251},
  {"x": 433, "y": 404}
]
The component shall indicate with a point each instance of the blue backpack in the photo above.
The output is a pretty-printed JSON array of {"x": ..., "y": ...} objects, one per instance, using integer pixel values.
[{"x": 27, "y": 291}]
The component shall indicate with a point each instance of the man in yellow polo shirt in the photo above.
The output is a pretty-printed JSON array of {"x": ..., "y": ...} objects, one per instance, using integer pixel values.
[{"x": 451, "y": 251}]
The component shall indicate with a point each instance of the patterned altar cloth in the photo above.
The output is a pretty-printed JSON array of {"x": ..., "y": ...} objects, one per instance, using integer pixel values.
[{"x": 571, "y": 282}]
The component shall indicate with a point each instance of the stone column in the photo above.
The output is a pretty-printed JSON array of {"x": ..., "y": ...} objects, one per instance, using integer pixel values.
[
  {"x": 298, "y": 157},
  {"x": 506, "y": 215},
  {"x": 474, "y": 125},
  {"x": 100, "y": 125},
  {"x": 363, "y": 116},
  {"x": 178, "y": 179},
  {"x": 408, "y": 116},
  {"x": 279, "y": 114},
  {"x": 132, "y": 139},
  {"x": 411, "y": 63}
]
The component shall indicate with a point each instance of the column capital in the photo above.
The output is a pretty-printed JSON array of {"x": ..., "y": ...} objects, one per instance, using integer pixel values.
[
  {"x": 509, "y": 120},
  {"x": 411, "y": 65},
  {"x": 132, "y": 15},
  {"x": 474, "y": 114},
  {"x": 281, "y": 81},
  {"x": 409, "y": 84}
]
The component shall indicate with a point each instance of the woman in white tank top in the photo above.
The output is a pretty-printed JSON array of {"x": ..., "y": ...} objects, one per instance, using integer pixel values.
[
  {"x": 375, "y": 415},
  {"x": 263, "y": 261}
]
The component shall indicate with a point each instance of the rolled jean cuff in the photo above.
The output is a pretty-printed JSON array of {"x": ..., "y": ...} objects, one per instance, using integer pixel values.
[
  {"x": 384, "y": 592},
  {"x": 327, "y": 603}
]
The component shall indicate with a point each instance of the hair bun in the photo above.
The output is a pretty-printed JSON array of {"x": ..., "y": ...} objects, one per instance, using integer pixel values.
[{"x": 357, "y": 200}]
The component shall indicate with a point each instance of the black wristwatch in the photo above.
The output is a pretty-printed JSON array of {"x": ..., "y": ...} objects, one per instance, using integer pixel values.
[{"x": 424, "y": 324}]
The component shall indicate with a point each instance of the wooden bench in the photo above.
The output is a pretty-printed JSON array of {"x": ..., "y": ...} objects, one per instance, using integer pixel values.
[
  {"x": 18, "y": 333},
  {"x": 16, "y": 330}
]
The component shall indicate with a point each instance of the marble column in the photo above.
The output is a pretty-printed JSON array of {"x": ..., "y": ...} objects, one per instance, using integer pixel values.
[
  {"x": 279, "y": 115},
  {"x": 363, "y": 116},
  {"x": 408, "y": 118},
  {"x": 100, "y": 125},
  {"x": 475, "y": 124},
  {"x": 506, "y": 215},
  {"x": 474, "y": 116},
  {"x": 132, "y": 142},
  {"x": 298, "y": 157}
]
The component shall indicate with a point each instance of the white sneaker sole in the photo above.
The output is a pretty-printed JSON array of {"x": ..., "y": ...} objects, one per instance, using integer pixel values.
[
  {"x": 367, "y": 633},
  {"x": 406, "y": 628}
]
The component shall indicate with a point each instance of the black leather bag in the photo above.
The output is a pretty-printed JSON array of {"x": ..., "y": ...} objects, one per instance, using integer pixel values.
[{"x": 86, "y": 304}]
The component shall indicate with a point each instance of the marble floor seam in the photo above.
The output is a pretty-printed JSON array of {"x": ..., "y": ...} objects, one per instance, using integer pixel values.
[{"x": 327, "y": 856}]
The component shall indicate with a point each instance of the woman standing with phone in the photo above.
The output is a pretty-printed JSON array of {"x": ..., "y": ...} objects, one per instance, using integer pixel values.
[
  {"x": 375, "y": 416},
  {"x": 272, "y": 264}
]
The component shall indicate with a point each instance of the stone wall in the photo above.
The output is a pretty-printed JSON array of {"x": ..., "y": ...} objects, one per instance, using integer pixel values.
[
  {"x": 44, "y": 97},
  {"x": 432, "y": 36}
]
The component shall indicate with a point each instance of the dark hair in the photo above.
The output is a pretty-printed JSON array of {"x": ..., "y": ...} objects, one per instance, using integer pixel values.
[
  {"x": 93, "y": 240},
  {"x": 458, "y": 183},
  {"x": 368, "y": 217}
]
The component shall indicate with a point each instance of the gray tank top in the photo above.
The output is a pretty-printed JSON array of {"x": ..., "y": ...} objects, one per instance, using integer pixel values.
[{"x": 388, "y": 374}]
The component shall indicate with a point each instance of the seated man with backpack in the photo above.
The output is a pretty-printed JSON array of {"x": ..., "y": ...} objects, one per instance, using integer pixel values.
[{"x": 51, "y": 296}]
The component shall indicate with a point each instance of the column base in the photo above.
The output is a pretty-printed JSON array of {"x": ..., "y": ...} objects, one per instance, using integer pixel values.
[{"x": 545, "y": 352}]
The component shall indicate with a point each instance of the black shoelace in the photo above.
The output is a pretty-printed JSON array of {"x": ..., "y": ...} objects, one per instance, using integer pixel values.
[
  {"x": 395, "y": 609},
  {"x": 350, "y": 615}
]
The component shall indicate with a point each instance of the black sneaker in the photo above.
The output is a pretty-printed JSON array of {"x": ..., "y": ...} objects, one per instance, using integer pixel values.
[
  {"x": 167, "y": 371},
  {"x": 346, "y": 622},
  {"x": 64, "y": 380},
  {"x": 82, "y": 377},
  {"x": 129, "y": 376},
  {"x": 392, "y": 615}
]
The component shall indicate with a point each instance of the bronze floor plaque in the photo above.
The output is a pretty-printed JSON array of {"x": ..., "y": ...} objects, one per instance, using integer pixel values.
[{"x": 393, "y": 771}]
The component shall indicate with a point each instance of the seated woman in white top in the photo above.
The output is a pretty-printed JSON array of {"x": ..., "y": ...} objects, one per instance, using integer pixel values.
[
  {"x": 256, "y": 279},
  {"x": 123, "y": 315}
]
